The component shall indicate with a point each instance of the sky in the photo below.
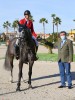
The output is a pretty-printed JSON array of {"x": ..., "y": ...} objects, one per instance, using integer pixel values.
[{"x": 14, "y": 9}]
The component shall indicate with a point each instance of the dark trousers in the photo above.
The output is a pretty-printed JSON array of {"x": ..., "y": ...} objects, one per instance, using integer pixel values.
[{"x": 64, "y": 69}]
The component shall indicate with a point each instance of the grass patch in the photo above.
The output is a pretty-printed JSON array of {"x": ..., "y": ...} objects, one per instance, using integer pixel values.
[
  {"x": 2, "y": 43},
  {"x": 49, "y": 57}
]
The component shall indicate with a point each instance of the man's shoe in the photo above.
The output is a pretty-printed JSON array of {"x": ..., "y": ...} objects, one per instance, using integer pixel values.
[
  {"x": 69, "y": 87},
  {"x": 61, "y": 86}
]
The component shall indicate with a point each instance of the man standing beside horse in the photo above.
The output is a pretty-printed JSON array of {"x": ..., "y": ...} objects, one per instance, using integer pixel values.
[{"x": 65, "y": 57}]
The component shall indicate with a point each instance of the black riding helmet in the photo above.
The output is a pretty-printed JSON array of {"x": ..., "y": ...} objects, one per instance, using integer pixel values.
[{"x": 27, "y": 12}]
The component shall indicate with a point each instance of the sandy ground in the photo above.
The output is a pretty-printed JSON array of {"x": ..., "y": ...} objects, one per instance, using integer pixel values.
[
  {"x": 43, "y": 49},
  {"x": 45, "y": 81}
]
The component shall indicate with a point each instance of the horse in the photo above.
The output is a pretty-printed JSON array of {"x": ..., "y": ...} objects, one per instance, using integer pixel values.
[{"x": 26, "y": 54}]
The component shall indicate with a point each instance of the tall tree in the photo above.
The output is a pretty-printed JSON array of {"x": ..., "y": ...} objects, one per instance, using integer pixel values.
[
  {"x": 15, "y": 25},
  {"x": 57, "y": 22},
  {"x": 43, "y": 20},
  {"x": 53, "y": 16},
  {"x": 74, "y": 20},
  {"x": 31, "y": 18},
  {"x": 6, "y": 25}
]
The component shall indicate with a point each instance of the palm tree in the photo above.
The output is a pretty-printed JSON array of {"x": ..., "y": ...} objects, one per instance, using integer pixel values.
[
  {"x": 53, "y": 16},
  {"x": 31, "y": 18},
  {"x": 3, "y": 36},
  {"x": 6, "y": 25},
  {"x": 57, "y": 21},
  {"x": 43, "y": 20},
  {"x": 15, "y": 25},
  {"x": 74, "y": 20}
]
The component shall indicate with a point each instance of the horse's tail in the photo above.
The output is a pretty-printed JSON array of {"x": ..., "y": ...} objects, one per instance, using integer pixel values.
[{"x": 7, "y": 64}]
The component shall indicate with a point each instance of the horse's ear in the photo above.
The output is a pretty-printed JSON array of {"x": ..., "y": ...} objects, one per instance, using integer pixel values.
[{"x": 22, "y": 25}]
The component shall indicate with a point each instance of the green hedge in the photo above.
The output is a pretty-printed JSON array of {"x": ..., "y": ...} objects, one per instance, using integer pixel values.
[{"x": 2, "y": 43}]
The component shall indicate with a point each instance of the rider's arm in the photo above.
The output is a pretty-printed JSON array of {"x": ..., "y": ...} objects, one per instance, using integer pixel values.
[
  {"x": 32, "y": 30},
  {"x": 22, "y": 21}
]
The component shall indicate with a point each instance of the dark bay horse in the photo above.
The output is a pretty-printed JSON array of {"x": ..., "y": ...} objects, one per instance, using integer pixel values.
[{"x": 26, "y": 53}]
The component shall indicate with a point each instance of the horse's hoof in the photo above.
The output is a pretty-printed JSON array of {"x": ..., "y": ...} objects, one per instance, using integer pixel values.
[
  {"x": 30, "y": 86},
  {"x": 28, "y": 82},
  {"x": 18, "y": 89},
  {"x": 11, "y": 79}
]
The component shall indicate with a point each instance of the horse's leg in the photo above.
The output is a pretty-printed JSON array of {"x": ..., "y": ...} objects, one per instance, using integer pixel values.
[
  {"x": 11, "y": 62},
  {"x": 11, "y": 78},
  {"x": 30, "y": 73},
  {"x": 20, "y": 75}
]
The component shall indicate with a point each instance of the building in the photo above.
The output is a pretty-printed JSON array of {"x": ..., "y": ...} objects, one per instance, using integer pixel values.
[
  {"x": 10, "y": 35},
  {"x": 42, "y": 35},
  {"x": 71, "y": 34}
]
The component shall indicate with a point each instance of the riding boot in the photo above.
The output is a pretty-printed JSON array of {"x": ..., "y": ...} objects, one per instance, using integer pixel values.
[
  {"x": 36, "y": 49},
  {"x": 35, "y": 54},
  {"x": 17, "y": 51},
  {"x": 35, "y": 57}
]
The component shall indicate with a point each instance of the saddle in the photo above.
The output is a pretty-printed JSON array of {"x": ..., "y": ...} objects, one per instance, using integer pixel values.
[{"x": 17, "y": 51}]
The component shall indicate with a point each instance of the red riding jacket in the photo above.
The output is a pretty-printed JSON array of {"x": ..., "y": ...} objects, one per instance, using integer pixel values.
[{"x": 29, "y": 25}]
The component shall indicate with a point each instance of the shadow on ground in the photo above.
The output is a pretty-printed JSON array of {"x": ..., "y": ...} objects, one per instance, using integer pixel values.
[{"x": 40, "y": 78}]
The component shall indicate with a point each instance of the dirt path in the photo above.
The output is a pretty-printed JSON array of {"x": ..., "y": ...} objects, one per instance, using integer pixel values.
[{"x": 45, "y": 82}]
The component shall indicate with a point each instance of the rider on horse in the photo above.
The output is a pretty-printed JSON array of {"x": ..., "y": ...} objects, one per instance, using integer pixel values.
[{"x": 29, "y": 24}]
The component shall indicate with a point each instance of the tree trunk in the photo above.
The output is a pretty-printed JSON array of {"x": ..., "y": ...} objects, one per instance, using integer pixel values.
[
  {"x": 53, "y": 32},
  {"x": 57, "y": 28},
  {"x": 50, "y": 50},
  {"x": 6, "y": 29},
  {"x": 44, "y": 29},
  {"x": 14, "y": 30},
  {"x": 57, "y": 31}
]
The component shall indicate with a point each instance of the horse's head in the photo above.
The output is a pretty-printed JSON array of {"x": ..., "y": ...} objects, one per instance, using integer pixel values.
[{"x": 25, "y": 31}]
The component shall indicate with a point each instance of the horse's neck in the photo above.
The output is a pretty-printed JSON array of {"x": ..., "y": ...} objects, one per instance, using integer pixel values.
[{"x": 24, "y": 44}]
